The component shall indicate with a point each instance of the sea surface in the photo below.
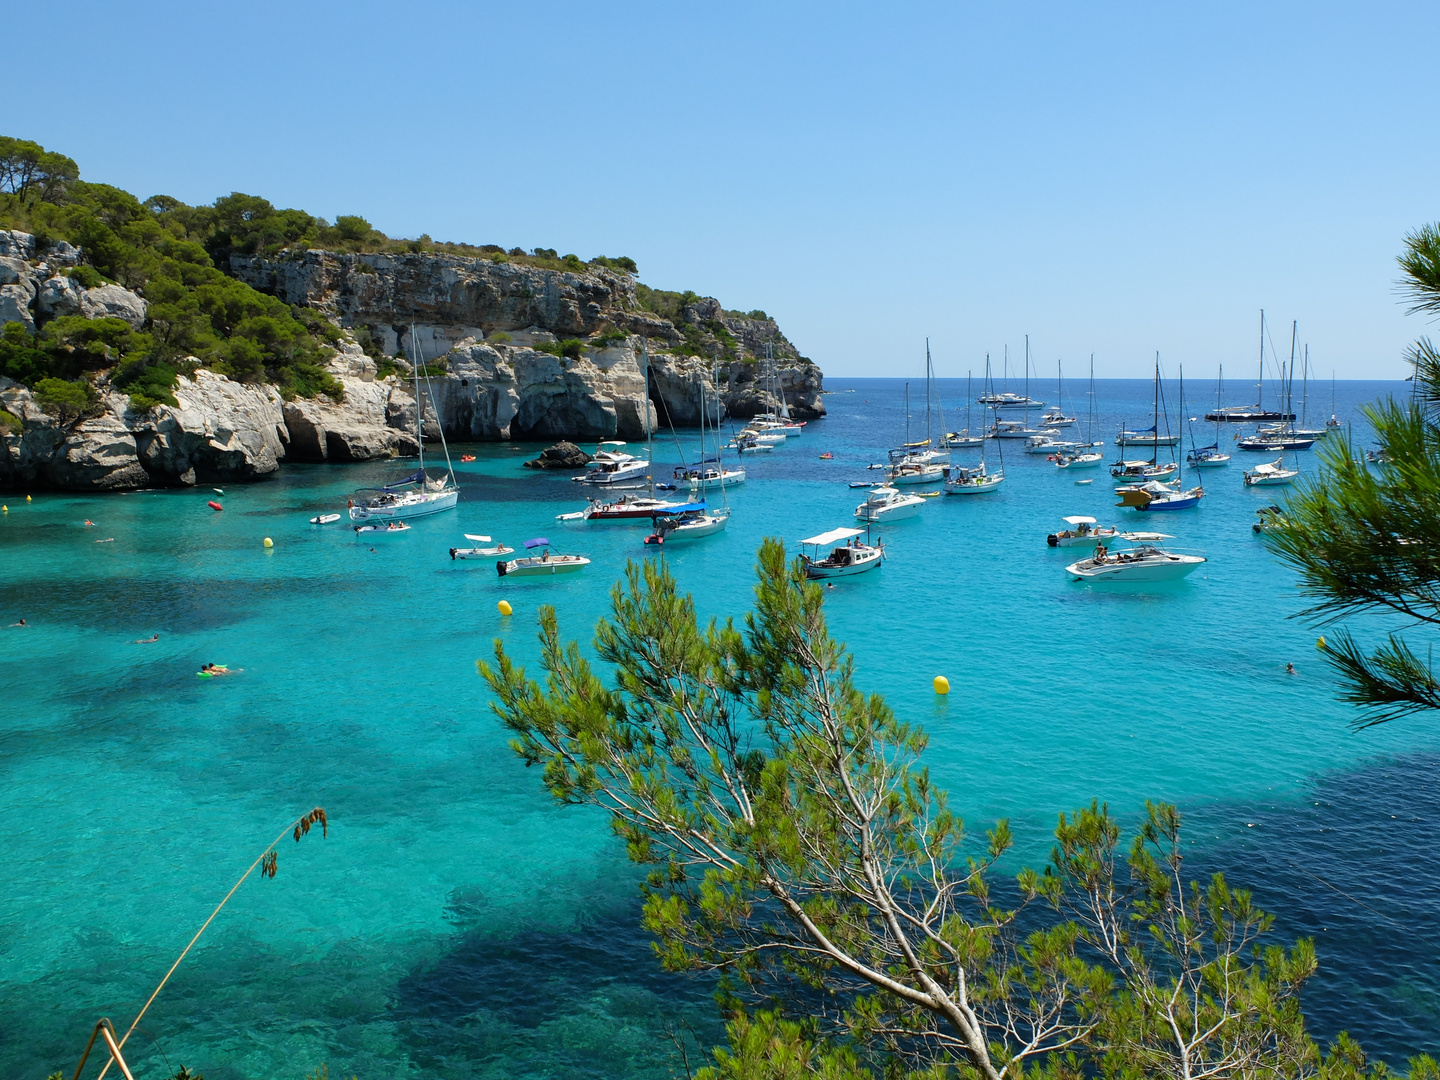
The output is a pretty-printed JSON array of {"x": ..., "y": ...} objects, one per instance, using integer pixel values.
[{"x": 455, "y": 922}]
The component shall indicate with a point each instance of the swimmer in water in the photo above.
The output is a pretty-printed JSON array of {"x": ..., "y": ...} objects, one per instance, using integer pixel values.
[
  {"x": 1290, "y": 669},
  {"x": 145, "y": 640},
  {"x": 22, "y": 622}
]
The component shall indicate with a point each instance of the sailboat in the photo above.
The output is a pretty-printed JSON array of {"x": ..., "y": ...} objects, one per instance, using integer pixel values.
[
  {"x": 629, "y": 507},
  {"x": 710, "y": 471},
  {"x": 418, "y": 494},
  {"x": 962, "y": 480},
  {"x": 778, "y": 418},
  {"x": 1140, "y": 471},
  {"x": 1154, "y": 496},
  {"x": 694, "y": 520},
  {"x": 1054, "y": 417},
  {"x": 1015, "y": 429},
  {"x": 1257, "y": 413},
  {"x": 963, "y": 439},
  {"x": 1334, "y": 421},
  {"x": 1282, "y": 436},
  {"x": 1006, "y": 400},
  {"x": 917, "y": 464},
  {"x": 1210, "y": 457},
  {"x": 1086, "y": 458}
]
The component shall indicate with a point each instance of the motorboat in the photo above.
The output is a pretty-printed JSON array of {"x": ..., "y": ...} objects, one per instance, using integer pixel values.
[
  {"x": 625, "y": 508},
  {"x": 960, "y": 480},
  {"x": 688, "y": 522},
  {"x": 764, "y": 436},
  {"x": 920, "y": 452},
  {"x": 1152, "y": 496},
  {"x": 1268, "y": 518},
  {"x": 1013, "y": 429},
  {"x": 1009, "y": 401},
  {"x": 613, "y": 465},
  {"x": 1047, "y": 443},
  {"x": 749, "y": 444},
  {"x": 915, "y": 472},
  {"x": 1087, "y": 460},
  {"x": 324, "y": 519},
  {"x": 1054, "y": 417},
  {"x": 1270, "y": 474},
  {"x": 888, "y": 504},
  {"x": 1145, "y": 562},
  {"x": 1248, "y": 414},
  {"x": 488, "y": 552},
  {"x": 1146, "y": 437},
  {"x": 389, "y": 528},
  {"x": 1083, "y": 530},
  {"x": 544, "y": 564},
  {"x": 1207, "y": 457},
  {"x": 707, "y": 474},
  {"x": 963, "y": 440},
  {"x": 1140, "y": 472},
  {"x": 845, "y": 559}
]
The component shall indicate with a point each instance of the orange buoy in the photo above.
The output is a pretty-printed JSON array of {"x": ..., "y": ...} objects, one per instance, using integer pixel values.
[{"x": 214, "y": 505}]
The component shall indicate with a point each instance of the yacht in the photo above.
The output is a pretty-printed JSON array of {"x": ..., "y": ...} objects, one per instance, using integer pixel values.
[
  {"x": 1087, "y": 460},
  {"x": 1147, "y": 437},
  {"x": 688, "y": 522},
  {"x": 543, "y": 565},
  {"x": 1145, "y": 562},
  {"x": 964, "y": 481},
  {"x": 888, "y": 504},
  {"x": 1009, "y": 401}
]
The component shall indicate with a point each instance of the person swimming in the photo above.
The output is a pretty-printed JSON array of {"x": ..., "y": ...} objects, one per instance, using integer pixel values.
[
  {"x": 145, "y": 640},
  {"x": 22, "y": 622}
]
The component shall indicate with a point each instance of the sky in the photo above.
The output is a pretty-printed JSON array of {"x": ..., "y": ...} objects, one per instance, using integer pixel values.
[{"x": 1114, "y": 179}]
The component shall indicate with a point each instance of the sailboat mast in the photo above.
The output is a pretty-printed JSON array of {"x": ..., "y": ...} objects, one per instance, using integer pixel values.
[
  {"x": 1290, "y": 382},
  {"x": 1180, "y": 455},
  {"x": 1155, "y": 430},
  {"x": 419, "y": 401},
  {"x": 1260, "y": 385},
  {"x": 927, "y": 389},
  {"x": 1027, "y": 382},
  {"x": 1305, "y": 389},
  {"x": 645, "y": 403}
]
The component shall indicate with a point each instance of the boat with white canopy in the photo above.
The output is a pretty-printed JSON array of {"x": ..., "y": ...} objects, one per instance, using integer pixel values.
[
  {"x": 689, "y": 521},
  {"x": 488, "y": 552},
  {"x": 847, "y": 557}
]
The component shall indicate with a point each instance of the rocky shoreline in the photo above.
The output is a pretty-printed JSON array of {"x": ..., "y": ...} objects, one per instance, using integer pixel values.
[{"x": 486, "y": 324}]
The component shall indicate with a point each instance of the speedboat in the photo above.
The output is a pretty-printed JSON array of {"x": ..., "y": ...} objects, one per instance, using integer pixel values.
[
  {"x": 964, "y": 481},
  {"x": 1145, "y": 562},
  {"x": 688, "y": 522},
  {"x": 390, "y": 528},
  {"x": 1047, "y": 443},
  {"x": 1013, "y": 429},
  {"x": 963, "y": 440},
  {"x": 845, "y": 559},
  {"x": 625, "y": 508},
  {"x": 1269, "y": 517},
  {"x": 1055, "y": 417},
  {"x": 1139, "y": 472},
  {"x": 1087, "y": 460},
  {"x": 479, "y": 552},
  {"x": 1207, "y": 457},
  {"x": 1154, "y": 496},
  {"x": 749, "y": 444},
  {"x": 888, "y": 504},
  {"x": 543, "y": 565},
  {"x": 709, "y": 473},
  {"x": 1270, "y": 474},
  {"x": 1083, "y": 530}
]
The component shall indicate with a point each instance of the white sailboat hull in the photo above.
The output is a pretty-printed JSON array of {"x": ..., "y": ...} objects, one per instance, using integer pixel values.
[{"x": 410, "y": 505}]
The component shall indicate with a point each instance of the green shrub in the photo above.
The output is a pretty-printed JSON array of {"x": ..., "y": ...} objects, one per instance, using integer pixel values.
[
  {"x": 147, "y": 384},
  {"x": 610, "y": 337},
  {"x": 10, "y": 422},
  {"x": 67, "y": 399},
  {"x": 622, "y": 263},
  {"x": 87, "y": 276},
  {"x": 757, "y": 314},
  {"x": 499, "y": 337},
  {"x": 499, "y": 257},
  {"x": 572, "y": 348}
]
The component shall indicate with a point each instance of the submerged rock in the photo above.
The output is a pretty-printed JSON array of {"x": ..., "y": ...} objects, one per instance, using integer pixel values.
[{"x": 563, "y": 455}]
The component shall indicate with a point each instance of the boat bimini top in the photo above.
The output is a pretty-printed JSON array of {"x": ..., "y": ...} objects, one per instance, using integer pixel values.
[
  {"x": 833, "y": 536},
  {"x": 1079, "y": 519}
]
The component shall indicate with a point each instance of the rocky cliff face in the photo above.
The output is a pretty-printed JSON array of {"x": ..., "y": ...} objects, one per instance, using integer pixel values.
[{"x": 484, "y": 324}]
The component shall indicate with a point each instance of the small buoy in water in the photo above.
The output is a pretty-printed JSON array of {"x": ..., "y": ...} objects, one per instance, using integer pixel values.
[
  {"x": 1320, "y": 643},
  {"x": 504, "y": 607},
  {"x": 27, "y": 498},
  {"x": 942, "y": 685},
  {"x": 214, "y": 505},
  {"x": 269, "y": 542},
  {"x": 4, "y": 509}
]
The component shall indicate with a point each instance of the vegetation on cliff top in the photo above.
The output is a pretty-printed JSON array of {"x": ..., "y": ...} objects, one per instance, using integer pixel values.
[{"x": 177, "y": 257}]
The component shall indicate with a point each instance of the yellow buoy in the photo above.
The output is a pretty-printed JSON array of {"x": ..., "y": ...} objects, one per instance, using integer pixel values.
[
  {"x": 269, "y": 542},
  {"x": 1320, "y": 642},
  {"x": 4, "y": 509},
  {"x": 504, "y": 607},
  {"x": 27, "y": 498},
  {"x": 942, "y": 684}
]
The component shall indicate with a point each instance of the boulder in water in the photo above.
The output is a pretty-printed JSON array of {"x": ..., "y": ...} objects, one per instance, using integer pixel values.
[{"x": 563, "y": 455}]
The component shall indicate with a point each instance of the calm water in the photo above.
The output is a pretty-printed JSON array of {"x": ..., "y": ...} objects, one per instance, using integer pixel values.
[{"x": 457, "y": 924}]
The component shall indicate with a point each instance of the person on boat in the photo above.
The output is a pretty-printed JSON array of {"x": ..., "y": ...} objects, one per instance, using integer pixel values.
[{"x": 1100, "y": 553}]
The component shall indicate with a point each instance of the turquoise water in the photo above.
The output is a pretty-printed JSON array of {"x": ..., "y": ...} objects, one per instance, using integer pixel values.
[{"x": 457, "y": 924}]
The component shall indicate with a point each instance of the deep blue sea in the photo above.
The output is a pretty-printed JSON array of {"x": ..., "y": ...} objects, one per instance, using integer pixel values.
[{"x": 456, "y": 923}]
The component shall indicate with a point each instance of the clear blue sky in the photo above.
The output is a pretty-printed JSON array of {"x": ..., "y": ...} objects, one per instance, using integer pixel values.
[{"x": 1116, "y": 181}]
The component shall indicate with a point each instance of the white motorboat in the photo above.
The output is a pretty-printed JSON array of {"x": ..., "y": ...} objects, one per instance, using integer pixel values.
[
  {"x": 1087, "y": 460},
  {"x": 764, "y": 436},
  {"x": 324, "y": 519},
  {"x": 1012, "y": 429},
  {"x": 418, "y": 494},
  {"x": 545, "y": 564},
  {"x": 1047, "y": 443},
  {"x": 1083, "y": 530},
  {"x": 389, "y": 528},
  {"x": 1144, "y": 563},
  {"x": 688, "y": 522},
  {"x": 625, "y": 508},
  {"x": 915, "y": 472},
  {"x": 1270, "y": 474},
  {"x": 709, "y": 473},
  {"x": 960, "y": 480},
  {"x": 1207, "y": 457},
  {"x": 748, "y": 444},
  {"x": 1140, "y": 472},
  {"x": 845, "y": 559},
  {"x": 614, "y": 465},
  {"x": 488, "y": 552},
  {"x": 1054, "y": 417},
  {"x": 888, "y": 504},
  {"x": 1148, "y": 437},
  {"x": 1009, "y": 401}
]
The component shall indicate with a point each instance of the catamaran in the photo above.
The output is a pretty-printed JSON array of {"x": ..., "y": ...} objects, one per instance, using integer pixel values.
[{"x": 418, "y": 494}]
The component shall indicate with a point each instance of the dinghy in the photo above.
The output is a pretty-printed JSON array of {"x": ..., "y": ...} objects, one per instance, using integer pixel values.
[
  {"x": 324, "y": 519},
  {"x": 388, "y": 529}
]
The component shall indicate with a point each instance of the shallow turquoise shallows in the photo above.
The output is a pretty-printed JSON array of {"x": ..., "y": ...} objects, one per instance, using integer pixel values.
[{"x": 455, "y": 923}]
